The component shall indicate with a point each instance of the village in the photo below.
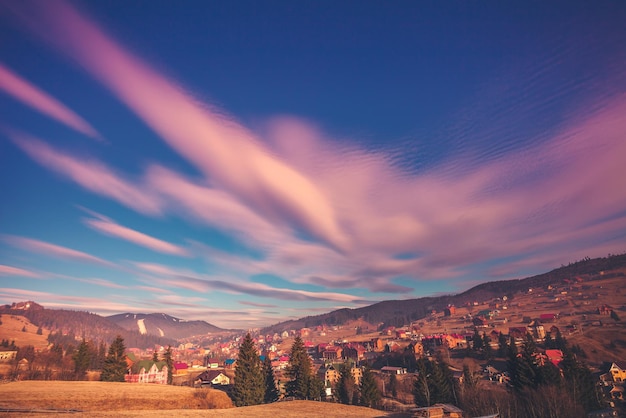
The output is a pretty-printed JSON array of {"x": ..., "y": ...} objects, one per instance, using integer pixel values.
[{"x": 585, "y": 313}]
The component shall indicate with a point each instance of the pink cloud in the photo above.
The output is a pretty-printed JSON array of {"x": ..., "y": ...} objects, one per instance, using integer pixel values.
[
  {"x": 111, "y": 228},
  {"x": 225, "y": 151},
  {"x": 53, "y": 250},
  {"x": 88, "y": 173},
  {"x": 214, "y": 207},
  {"x": 30, "y": 95},
  {"x": 16, "y": 271}
]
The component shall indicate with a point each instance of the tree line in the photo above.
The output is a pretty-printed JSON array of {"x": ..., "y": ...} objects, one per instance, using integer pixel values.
[{"x": 255, "y": 382}]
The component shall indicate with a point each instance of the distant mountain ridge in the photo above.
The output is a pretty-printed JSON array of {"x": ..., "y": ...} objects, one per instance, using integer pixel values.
[
  {"x": 402, "y": 312},
  {"x": 156, "y": 329},
  {"x": 163, "y": 325}
]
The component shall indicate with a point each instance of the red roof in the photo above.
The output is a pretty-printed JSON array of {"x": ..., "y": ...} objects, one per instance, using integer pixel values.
[{"x": 179, "y": 365}]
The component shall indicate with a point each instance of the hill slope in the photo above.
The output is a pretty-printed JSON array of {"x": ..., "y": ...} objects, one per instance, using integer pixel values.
[
  {"x": 163, "y": 325},
  {"x": 80, "y": 324},
  {"x": 402, "y": 312}
]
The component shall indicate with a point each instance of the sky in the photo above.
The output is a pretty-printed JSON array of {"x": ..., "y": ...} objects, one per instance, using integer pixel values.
[{"x": 246, "y": 162}]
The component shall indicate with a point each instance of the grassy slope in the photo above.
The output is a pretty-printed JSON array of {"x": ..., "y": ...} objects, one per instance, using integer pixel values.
[{"x": 11, "y": 329}]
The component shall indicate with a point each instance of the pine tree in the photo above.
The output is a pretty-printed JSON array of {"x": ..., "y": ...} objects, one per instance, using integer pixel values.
[
  {"x": 82, "y": 359},
  {"x": 345, "y": 386},
  {"x": 421, "y": 387},
  {"x": 115, "y": 366},
  {"x": 302, "y": 384},
  {"x": 487, "y": 350},
  {"x": 169, "y": 362},
  {"x": 271, "y": 391},
  {"x": 393, "y": 385},
  {"x": 522, "y": 366},
  {"x": 470, "y": 380},
  {"x": 477, "y": 341},
  {"x": 502, "y": 345},
  {"x": 155, "y": 356},
  {"x": 370, "y": 395},
  {"x": 434, "y": 383},
  {"x": 248, "y": 388}
]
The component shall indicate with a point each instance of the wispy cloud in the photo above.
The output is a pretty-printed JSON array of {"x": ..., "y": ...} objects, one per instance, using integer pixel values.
[
  {"x": 89, "y": 173},
  {"x": 19, "y": 272},
  {"x": 52, "y": 250},
  {"x": 109, "y": 227},
  {"x": 32, "y": 96}
]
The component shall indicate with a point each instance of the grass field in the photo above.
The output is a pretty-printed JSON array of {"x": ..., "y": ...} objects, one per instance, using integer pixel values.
[
  {"x": 11, "y": 329},
  {"x": 97, "y": 399}
]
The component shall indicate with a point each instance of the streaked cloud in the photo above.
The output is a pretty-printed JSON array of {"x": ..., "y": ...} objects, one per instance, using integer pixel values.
[
  {"x": 53, "y": 250},
  {"x": 34, "y": 97},
  {"x": 89, "y": 173},
  {"x": 19, "y": 272},
  {"x": 111, "y": 228}
]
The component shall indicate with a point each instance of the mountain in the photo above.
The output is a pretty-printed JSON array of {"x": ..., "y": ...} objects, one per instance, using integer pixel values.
[
  {"x": 402, "y": 312},
  {"x": 163, "y": 325},
  {"x": 68, "y": 325}
]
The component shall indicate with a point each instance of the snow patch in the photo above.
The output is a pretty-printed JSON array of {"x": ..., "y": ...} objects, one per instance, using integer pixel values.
[
  {"x": 161, "y": 332},
  {"x": 142, "y": 327}
]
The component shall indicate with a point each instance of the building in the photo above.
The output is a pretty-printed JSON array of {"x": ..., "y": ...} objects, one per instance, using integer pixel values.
[
  {"x": 618, "y": 371},
  {"x": 393, "y": 370},
  {"x": 212, "y": 378},
  {"x": 147, "y": 371}
]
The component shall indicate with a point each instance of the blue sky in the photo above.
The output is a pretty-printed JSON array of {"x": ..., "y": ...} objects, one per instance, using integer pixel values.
[{"x": 249, "y": 162}]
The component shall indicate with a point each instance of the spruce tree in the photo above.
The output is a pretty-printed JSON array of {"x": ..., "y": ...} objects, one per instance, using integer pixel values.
[
  {"x": 82, "y": 359},
  {"x": 155, "y": 356},
  {"x": 169, "y": 362},
  {"x": 345, "y": 386},
  {"x": 421, "y": 387},
  {"x": 271, "y": 391},
  {"x": 248, "y": 388},
  {"x": 115, "y": 366},
  {"x": 393, "y": 385},
  {"x": 301, "y": 384},
  {"x": 370, "y": 395}
]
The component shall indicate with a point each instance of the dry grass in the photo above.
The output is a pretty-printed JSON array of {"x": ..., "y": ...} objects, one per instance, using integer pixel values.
[
  {"x": 98, "y": 399},
  {"x": 106, "y": 396},
  {"x": 11, "y": 329}
]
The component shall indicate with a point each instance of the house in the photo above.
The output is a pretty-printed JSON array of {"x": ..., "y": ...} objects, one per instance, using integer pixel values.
[
  {"x": 449, "y": 311},
  {"x": 329, "y": 374},
  {"x": 353, "y": 351},
  {"x": 213, "y": 363},
  {"x": 518, "y": 332},
  {"x": 618, "y": 371},
  {"x": 554, "y": 356},
  {"x": 147, "y": 371},
  {"x": 480, "y": 321},
  {"x": 438, "y": 410},
  {"x": 180, "y": 367},
  {"x": 617, "y": 393},
  {"x": 393, "y": 370},
  {"x": 7, "y": 355},
  {"x": 213, "y": 378},
  {"x": 416, "y": 348},
  {"x": 537, "y": 330},
  {"x": 357, "y": 374},
  {"x": 548, "y": 317},
  {"x": 229, "y": 363},
  {"x": 332, "y": 352}
]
